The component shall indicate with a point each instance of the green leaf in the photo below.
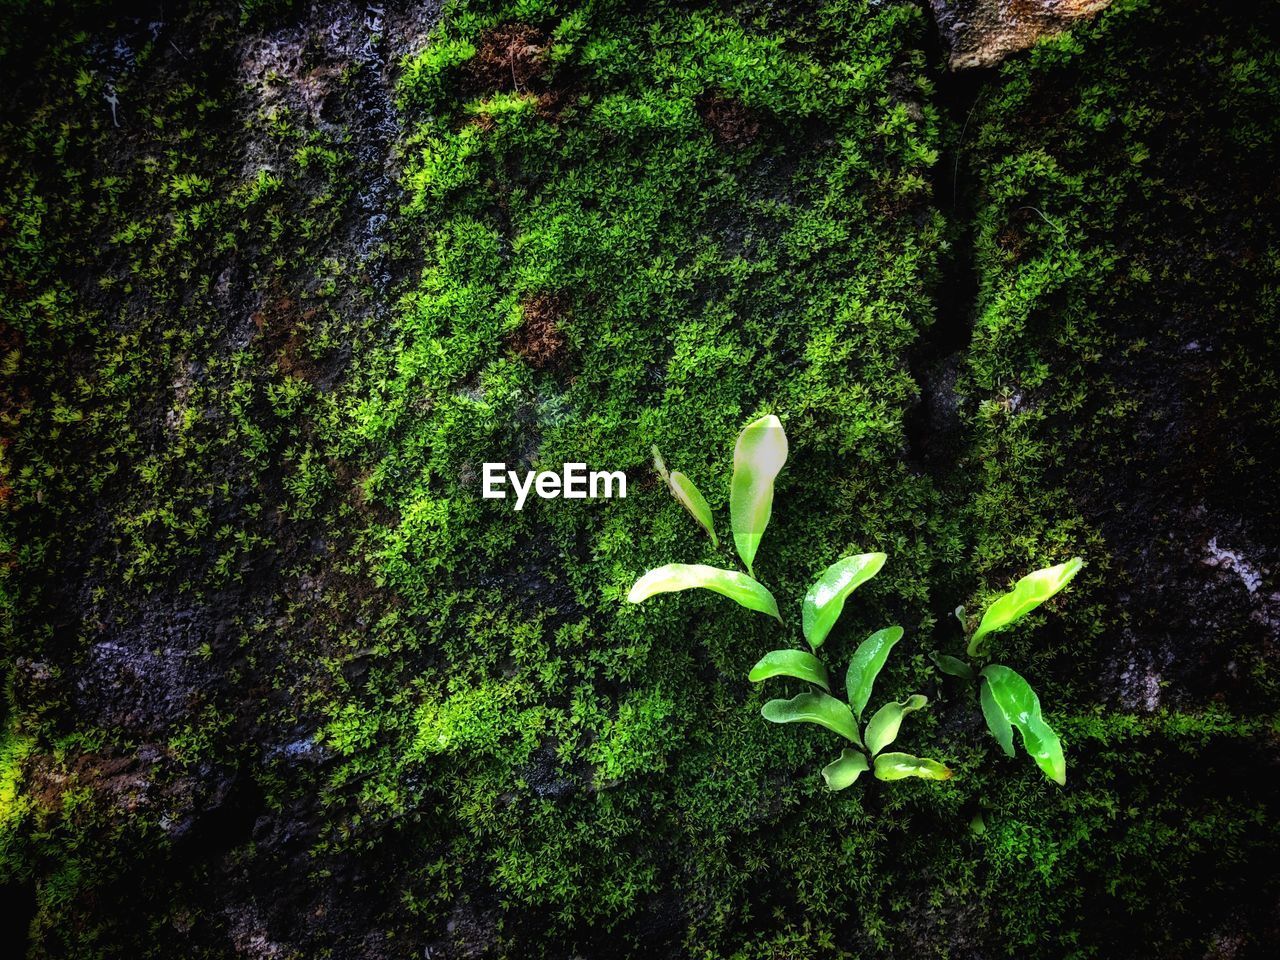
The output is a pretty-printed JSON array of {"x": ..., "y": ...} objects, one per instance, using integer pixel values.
[
  {"x": 813, "y": 708},
  {"x": 689, "y": 496},
  {"x": 825, "y": 599},
  {"x": 899, "y": 766},
  {"x": 791, "y": 663},
  {"x": 997, "y": 723},
  {"x": 1018, "y": 704},
  {"x": 1027, "y": 594},
  {"x": 867, "y": 661},
  {"x": 954, "y": 666},
  {"x": 687, "y": 576},
  {"x": 758, "y": 456},
  {"x": 882, "y": 728},
  {"x": 843, "y": 772}
]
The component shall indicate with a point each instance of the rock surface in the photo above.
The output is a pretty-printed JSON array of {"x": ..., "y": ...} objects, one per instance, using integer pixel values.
[{"x": 981, "y": 33}]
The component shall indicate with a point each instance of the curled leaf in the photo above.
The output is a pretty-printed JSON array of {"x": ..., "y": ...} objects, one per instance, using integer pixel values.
[
  {"x": 1013, "y": 698},
  {"x": 882, "y": 728},
  {"x": 687, "y": 576},
  {"x": 760, "y": 452},
  {"x": 899, "y": 766},
  {"x": 825, "y": 599},
  {"x": 843, "y": 772},
  {"x": 817, "y": 708},
  {"x": 791, "y": 663},
  {"x": 688, "y": 494},
  {"x": 867, "y": 661},
  {"x": 1027, "y": 594},
  {"x": 954, "y": 666}
]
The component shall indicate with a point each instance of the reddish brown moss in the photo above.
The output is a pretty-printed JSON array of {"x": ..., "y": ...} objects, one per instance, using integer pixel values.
[
  {"x": 282, "y": 328},
  {"x": 510, "y": 58},
  {"x": 732, "y": 123},
  {"x": 539, "y": 340}
]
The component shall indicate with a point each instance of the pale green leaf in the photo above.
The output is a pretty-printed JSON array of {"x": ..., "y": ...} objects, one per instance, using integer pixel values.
[
  {"x": 865, "y": 666},
  {"x": 882, "y": 728},
  {"x": 843, "y": 772},
  {"x": 899, "y": 766},
  {"x": 1014, "y": 699},
  {"x": 1027, "y": 594},
  {"x": 997, "y": 723},
  {"x": 791, "y": 663},
  {"x": 825, "y": 599},
  {"x": 687, "y": 576},
  {"x": 688, "y": 495},
  {"x": 816, "y": 708},
  {"x": 760, "y": 452}
]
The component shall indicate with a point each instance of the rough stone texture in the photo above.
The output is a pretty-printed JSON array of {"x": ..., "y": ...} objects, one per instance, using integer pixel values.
[{"x": 981, "y": 33}]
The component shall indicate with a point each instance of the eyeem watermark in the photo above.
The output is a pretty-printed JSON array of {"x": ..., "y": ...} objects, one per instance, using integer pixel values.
[{"x": 573, "y": 482}]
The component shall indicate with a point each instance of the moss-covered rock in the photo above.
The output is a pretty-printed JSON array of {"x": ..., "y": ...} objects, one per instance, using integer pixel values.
[{"x": 277, "y": 279}]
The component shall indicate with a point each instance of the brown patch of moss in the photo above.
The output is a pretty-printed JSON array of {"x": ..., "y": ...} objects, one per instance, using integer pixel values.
[
  {"x": 552, "y": 103},
  {"x": 539, "y": 340},
  {"x": 732, "y": 123},
  {"x": 1015, "y": 235},
  {"x": 282, "y": 328},
  {"x": 510, "y": 58},
  {"x": 124, "y": 780}
]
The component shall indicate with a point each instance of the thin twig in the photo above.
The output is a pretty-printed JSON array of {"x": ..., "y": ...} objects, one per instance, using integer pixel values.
[
  {"x": 955, "y": 173},
  {"x": 1044, "y": 218}
]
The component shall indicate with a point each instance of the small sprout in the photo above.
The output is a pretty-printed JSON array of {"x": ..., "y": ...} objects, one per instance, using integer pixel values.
[
  {"x": 675, "y": 577},
  {"x": 687, "y": 493},
  {"x": 824, "y": 602},
  {"x": 977, "y": 825},
  {"x": 761, "y": 451},
  {"x": 954, "y": 666},
  {"x": 827, "y": 711},
  {"x": 1007, "y": 700}
]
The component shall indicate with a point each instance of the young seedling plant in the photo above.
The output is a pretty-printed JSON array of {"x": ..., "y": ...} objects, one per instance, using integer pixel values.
[
  {"x": 1007, "y": 700},
  {"x": 759, "y": 455}
]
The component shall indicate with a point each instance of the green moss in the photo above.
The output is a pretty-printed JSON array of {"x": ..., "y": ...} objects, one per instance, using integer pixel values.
[{"x": 226, "y": 414}]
